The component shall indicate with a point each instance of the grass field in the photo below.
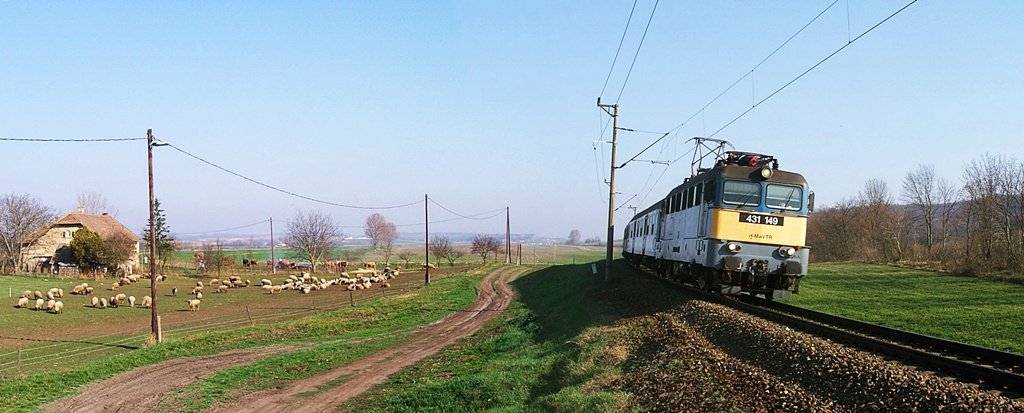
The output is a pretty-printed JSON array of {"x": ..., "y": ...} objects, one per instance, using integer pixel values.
[
  {"x": 965, "y": 309},
  {"x": 325, "y": 337}
]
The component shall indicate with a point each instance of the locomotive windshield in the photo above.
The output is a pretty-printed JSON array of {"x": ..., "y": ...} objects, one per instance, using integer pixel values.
[
  {"x": 784, "y": 197},
  {"x": 741, "y": 193}
]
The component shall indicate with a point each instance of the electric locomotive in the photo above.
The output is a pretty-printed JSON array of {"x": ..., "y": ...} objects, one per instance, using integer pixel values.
[{"x": 738, "y": 227}]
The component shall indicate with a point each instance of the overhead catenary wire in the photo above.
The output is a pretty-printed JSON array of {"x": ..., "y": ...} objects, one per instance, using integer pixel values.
[
  {"x": 619, "y": 49},
  {"x": 637, "y": 54}
]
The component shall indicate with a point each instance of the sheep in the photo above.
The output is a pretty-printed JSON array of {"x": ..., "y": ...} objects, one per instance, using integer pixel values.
[
  {"x": 214, "y": 282},
  {"x": 248, "y": 283},
  {"x": 103, "y": 303},
  {"x": 113, "y": 287},
  {"x": 49, "y": 295},
  {"x": 39, "y": 304},
  {"x": 78, "y": 290},
  {"x": 237, "y": 284},
  {"x": 147, "y": 302},
  {"x": 95, "y": 301},
  {"x": 197, "y": 290},
  {"x": 58, "y": 307},
  {"x": 55, "y": 291},
  {"x": 131, "y": 301},
  {"x": 174, "y": 291},
  {"x": 222, "y": 289},
  {"x": 266, "y": 282},
  {"x": 88, "y": 290},
  {"x": 50, "y": 304},
  {"x": 199, "y": 284},
  {"x": 275, "y": 289},
  {"x": 199, "y": 296},
  {"x": 122, "y": 298},
  {"x": 27, "y": 294},
  {"x": 385, "y": 285},
  {"x": 268, "y": 288},
  {"x": 22, "y": 302},
  {"x": 431, "y": 266},
  {"x": 114, "y": 302},
  {"x": 60, "y": 293},
  {"x": 193, "y": 305},
  {"x": 38, "y": 295},
  {"x": 370, "y": 264}
]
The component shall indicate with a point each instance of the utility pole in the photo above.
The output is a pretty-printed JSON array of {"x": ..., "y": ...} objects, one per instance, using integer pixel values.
[
  {"x": 426, "y": 240},
  {"x": 155, "y": 324},
  {"x": 273, "y": 261},
  {"x": 508, "y": 240},
  {"x": 614, "y": 112}
]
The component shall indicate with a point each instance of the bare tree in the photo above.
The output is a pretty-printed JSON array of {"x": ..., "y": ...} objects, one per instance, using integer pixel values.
[
  {"x": 312, "y": 235},
  {"x": 483, "y": 245},
  {"x": 574, "y": 237},
  {"x": 455, "y": 256},
  {"x": 374, "y": 229},
  {"x": 95, "y": 203},
  {"x": 406, "y": 255},
  {"x": 20, "y": 216},
  {"x": 441, "y": 248},
  {"x": 919, "y": 191}
]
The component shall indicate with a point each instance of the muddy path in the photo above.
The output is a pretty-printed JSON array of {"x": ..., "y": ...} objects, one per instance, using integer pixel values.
[
  {"x": 494, "y": 296},
  {"x": 143, "y": 389}
]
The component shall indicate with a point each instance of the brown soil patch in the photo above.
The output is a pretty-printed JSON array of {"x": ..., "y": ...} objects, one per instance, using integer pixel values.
[{"x": 143, "y": 388}]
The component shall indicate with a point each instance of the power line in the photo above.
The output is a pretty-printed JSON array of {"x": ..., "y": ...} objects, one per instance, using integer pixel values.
[
  {"x": 616, "y": 58},
  {"x": 289, "y": 192},
  {"x": 70, "y": 140},
  {"x": 225, "y": 230},
  {"x": 464, "y": 216},
  {"x": 812, "y": 68},
  {"x": 637, "y": 52}
]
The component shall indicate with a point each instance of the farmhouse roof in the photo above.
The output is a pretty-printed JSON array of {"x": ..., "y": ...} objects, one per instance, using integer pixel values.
[{"x": 104, "y": 225}]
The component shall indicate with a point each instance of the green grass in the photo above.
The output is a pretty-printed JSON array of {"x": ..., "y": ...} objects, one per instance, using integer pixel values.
[
  {"x": 542, "y": 354},
  {"x": 373, "y": 323},
  {"x": 965, "y": 309}
]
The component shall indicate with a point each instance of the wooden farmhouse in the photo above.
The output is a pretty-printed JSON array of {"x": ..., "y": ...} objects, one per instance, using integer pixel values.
[{"x": 48, "y": 249}]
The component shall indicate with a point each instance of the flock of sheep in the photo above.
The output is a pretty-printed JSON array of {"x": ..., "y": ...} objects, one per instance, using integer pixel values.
[{"x": 305, "y": 283}]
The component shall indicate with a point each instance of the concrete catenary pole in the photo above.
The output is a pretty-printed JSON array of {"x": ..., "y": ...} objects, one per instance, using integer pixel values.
[
  {"x": 611, "y": 186},
  {"x": 152, "y": 240}
]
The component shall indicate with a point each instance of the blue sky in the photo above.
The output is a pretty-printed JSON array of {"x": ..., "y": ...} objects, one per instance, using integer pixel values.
[{"x": 484, "y": 105}]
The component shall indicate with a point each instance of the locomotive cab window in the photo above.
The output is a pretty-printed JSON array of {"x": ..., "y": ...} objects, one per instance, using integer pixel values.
[
  {"x": 784, "y": 197},
  {"x": 741, "y": 193}
]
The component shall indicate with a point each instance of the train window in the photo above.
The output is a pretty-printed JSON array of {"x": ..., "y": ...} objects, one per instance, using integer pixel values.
[
  {"x": 679, "y": 201},
  {"x": 783, "y": 197},
  {"x": 698, "y": 193},
  {"x": 741, "y": 193},
  {"x": 709, "y": 191},
  {"x": 692, "y": 198}
]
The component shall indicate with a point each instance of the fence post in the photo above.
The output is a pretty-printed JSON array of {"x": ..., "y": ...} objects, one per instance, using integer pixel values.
[
  {"x": 350, "y": 301},
  {"x": 250, "y": 316}
]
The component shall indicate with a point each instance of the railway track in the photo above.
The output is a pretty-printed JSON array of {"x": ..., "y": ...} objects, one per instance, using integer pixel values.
[{"x": 989, "y": 369}]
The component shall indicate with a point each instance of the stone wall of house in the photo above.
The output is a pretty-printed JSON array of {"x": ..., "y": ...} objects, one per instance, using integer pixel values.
[{"x": 41, "y": 253}]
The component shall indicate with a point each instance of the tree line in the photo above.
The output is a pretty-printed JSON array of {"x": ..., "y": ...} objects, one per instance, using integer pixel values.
[{"x": 973, "y": 226}]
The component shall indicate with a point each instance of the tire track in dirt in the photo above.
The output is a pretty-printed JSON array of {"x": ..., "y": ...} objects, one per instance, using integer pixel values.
[
  {"x": 143, "y": 388},
  {"x": 494, "y": 296}
]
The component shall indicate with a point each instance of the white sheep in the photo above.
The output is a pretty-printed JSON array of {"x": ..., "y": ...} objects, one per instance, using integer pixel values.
[
  {"x": 50, "y": 304},
  {"x": 122, "y": 298},
  {"x": 39, "y": 304},
  {"x": 199, "y": 296},
  {"x": 214, "y": 282},
  {"x": 88, "y": 290},
  {"x": 197, "y": 290},
  {"x": 95, "y": 301},
  {"x": 131, "y": 301},
  {"x": 174, "y": 290},
  {"x": 27, "y": 294},
  {"x": 23, "y": 302},
  {"x": 199, "y": 284},
  {"x": 193, "y": 305},
  {"x": 38, "y": 295},
  {"x": 58, "y": 307},
  {"x": 222, "y": 289},
  {"x": 49, "y": 295},
  {"x": 103, "y": 303},
  {"x": 147, "y": 301}
]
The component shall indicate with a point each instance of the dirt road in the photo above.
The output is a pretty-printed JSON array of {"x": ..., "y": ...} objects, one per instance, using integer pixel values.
[
  {"x": 142, "y": 389},
  {"x": 493, "y": 297}
]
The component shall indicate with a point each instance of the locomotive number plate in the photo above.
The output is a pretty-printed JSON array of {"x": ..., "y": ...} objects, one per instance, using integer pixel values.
[{"x": 760, "y": 219}]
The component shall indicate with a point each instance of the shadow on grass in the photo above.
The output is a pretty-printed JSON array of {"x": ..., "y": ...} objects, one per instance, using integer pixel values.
[{"x": 44, "y": 340}]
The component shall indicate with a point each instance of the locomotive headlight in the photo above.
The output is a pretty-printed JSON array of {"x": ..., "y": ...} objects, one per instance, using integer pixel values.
[
  {"x": 787, "y": 251},
  {"x": 766, "y": 172},
  {"x": 733, "y": 247}
]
